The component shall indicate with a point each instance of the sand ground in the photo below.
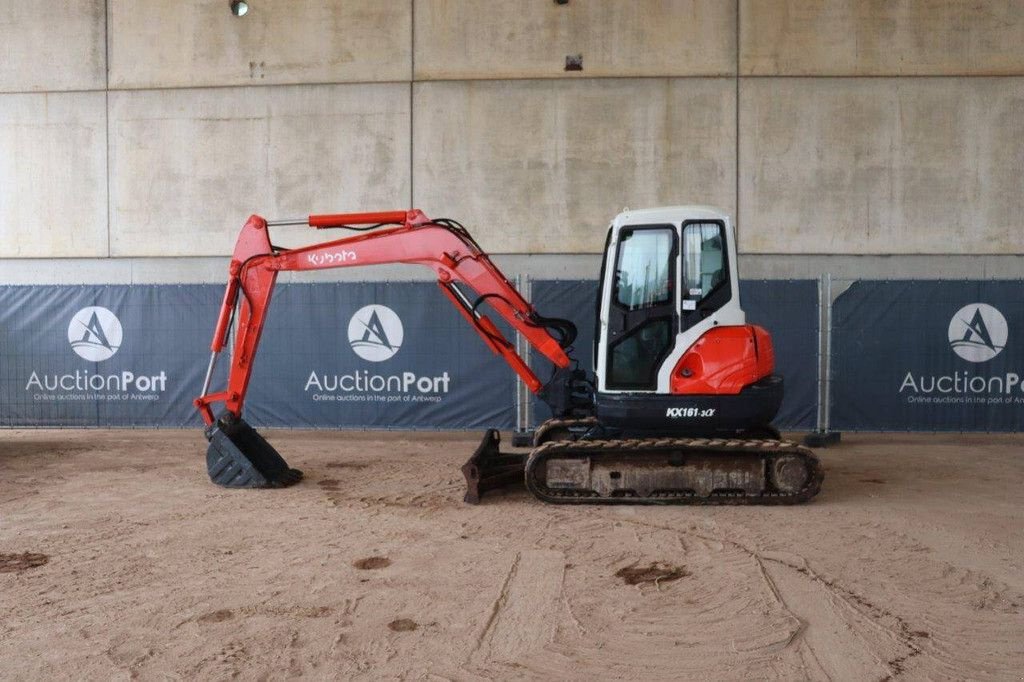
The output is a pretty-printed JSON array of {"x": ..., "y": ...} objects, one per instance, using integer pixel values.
[{"x": 908, "y": 565}]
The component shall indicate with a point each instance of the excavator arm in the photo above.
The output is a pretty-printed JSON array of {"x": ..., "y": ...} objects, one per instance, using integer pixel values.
[
  {"x": 465, "y": 275},
  {"x": 238, "y": 456}
]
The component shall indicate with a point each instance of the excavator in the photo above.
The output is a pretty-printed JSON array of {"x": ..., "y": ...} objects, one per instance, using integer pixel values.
[{"x": 676, "y": 410}]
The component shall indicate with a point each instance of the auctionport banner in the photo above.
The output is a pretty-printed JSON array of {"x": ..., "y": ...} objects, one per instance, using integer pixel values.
[
  {"x": 375, "y": 355},
  {"x": 929, "y": 356},
  {"x": 93, "y": 356},
  {"x": 788, "y": 309}
]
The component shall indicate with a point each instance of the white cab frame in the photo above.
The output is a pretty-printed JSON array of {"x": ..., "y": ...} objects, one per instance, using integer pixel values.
[{"x": 730, "y": 314}]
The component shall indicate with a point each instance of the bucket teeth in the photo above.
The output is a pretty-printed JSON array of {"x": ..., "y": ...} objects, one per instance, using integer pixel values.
[{"x": 239, "y": 457}]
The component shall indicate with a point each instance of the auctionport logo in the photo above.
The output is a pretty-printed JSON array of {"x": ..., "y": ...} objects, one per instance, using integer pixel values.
[
  {"x": 978, "y": 332},
  {"x": 95, "y": 333},
  {"x": 375, "y": 333}
]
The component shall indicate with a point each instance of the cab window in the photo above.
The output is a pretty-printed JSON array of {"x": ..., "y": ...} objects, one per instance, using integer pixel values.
[
  {"x": 642, "y": 316},
  {"x": 643, "y": 268},
  {"x": 704, "y": 260}
]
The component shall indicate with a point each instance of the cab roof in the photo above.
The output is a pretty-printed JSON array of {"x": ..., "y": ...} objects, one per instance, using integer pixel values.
[{"x": 668, "y": 214}]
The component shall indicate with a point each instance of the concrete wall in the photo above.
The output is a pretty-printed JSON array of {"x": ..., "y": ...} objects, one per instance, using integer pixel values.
[
  {"x": 160, "y": 44},
  {"x": 547, "y": 174},
  {"x": 882, "y": 165},
  {"x": 881, "y": 38},
  {"x": 48, "y": 45},
  {"x": 188, "y": 167},
  {"x": 53, "y": 174},
  {"x": 531, "y": 38},
  {"x": 828, "y": 128}
]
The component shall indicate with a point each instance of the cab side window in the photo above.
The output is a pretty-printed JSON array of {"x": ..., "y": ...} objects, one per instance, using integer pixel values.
[
  {"x": 704, "y": 260},
  {"x": 706, "y": 273}
]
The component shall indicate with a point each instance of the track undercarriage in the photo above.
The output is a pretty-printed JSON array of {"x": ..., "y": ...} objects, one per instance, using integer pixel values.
[{"x": 583, "y": 470}]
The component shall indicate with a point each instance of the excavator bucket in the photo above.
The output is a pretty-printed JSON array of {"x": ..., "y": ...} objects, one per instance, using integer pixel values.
[
  {"x": 488, "y": 469},
  {"x": 238, "y": 457}
]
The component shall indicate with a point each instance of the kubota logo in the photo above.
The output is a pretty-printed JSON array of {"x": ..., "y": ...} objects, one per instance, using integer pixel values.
[
  {"x": 375, "y": 333},
  {"x": 95, "y": 333},
  {"x": 978, "y": 332},
  {"x": 331, "y": 257}
]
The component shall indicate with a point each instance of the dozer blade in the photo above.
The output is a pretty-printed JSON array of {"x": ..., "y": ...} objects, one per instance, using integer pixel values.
[
  {"x": 488, "y": 469},
  {"x": 238, "y": 457}
]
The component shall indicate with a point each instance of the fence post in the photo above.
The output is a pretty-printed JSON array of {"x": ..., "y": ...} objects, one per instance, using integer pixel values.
[
  {"x": 523, "y": 436},
  {"x": 824, "y": 436},
  {"x": 822, "y": 324},
  {"x": 827, "y": 411}
]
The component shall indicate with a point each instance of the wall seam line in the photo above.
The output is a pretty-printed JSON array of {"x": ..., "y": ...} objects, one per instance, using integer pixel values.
[
  {"x": 736, "y": 141},
  {"x": 698, "y": 76},
  {"x": 412, "y": 108},
  {"x": 106, "y": 108}
]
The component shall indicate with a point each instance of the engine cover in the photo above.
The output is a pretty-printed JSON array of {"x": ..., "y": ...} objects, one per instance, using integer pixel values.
[{"x": 724, "y": 360}]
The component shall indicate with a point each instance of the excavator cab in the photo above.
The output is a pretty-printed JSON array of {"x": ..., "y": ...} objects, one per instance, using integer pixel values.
[{"x": 673, "y": 351}]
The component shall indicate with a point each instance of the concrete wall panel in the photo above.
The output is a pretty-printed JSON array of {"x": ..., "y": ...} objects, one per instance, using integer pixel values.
[
  {"x": 882, "y": 165},
  {"x": 156, "y": 44},
  {"x": 531, "y": 38},
  {"x": 542, "y": 166},
  {"x": 881, "y": 37},
  {"x": 188, "y": 167},
  {"x": 53, "y": 182},
  {"x": 46, "y": 45}
]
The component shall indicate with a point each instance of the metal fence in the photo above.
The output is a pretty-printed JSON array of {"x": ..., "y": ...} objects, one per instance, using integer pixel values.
[
  {"x": 924, "y": 355},
  {"x": 87, "y": 356},
  {"x": 352, "y": 355},
  {"x": 917, "y": 355}
]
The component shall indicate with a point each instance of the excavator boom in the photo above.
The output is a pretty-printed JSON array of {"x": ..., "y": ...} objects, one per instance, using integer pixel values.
[{"x": 238, "y": 456}]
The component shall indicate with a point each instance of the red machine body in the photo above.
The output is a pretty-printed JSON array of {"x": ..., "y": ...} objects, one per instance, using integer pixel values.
[{"x": 724, "y": 361}]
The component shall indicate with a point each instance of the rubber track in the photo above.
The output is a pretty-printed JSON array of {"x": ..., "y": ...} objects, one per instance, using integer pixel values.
[
  {"x": 622, "y": 450},
  {"x": 551, "y": 424}
]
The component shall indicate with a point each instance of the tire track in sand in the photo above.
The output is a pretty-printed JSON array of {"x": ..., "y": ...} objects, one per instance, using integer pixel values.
[
  {"x": 525, "y": 614},
  {"x": 839, "y": 629}
]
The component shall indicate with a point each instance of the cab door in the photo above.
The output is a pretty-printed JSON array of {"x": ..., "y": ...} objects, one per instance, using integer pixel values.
[{"x": 642, "y": 318}]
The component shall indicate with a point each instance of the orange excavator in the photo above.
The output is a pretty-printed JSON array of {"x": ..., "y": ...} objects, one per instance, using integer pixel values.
[{"x": 676, "y": 410}]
